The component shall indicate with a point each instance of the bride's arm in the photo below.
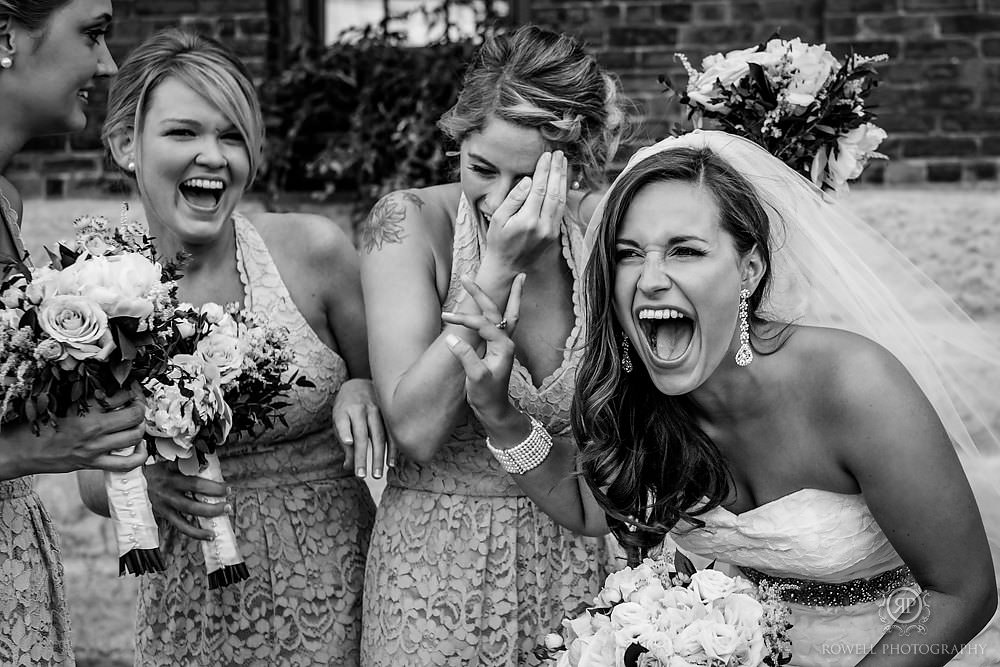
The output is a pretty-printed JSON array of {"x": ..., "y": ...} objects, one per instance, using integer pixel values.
[{"x": 893, "y": 443}]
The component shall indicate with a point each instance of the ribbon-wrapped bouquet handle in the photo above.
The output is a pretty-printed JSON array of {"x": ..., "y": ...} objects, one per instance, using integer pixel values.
[{"x": 133, "y": 521}]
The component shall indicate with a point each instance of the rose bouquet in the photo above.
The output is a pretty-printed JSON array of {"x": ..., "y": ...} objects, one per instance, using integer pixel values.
[
  {"x": 794, "y": 99},
  {"x": 98, "y": 320},
  {"x": 661, "y": 615},
  {"x": 227, "y": 374}
]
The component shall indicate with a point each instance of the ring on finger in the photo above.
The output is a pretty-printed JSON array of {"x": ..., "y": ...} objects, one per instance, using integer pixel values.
[{"x": 502, "y": 324}]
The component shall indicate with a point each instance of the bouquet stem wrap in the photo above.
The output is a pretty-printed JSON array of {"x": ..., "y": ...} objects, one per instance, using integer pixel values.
[
  {"x": 132, "y": 517},
  {"x": 222, "y": 557}
]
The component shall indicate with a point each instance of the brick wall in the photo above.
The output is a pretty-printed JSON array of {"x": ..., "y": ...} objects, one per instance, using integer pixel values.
[
  {"x": 939, "y": 98},
  {"x": 71, "y": 165},
  {"x": 940, "y": 93}
]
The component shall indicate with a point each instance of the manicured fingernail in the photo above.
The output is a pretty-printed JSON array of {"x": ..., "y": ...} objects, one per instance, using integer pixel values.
[
  {"x": 229, "y": 490},
  {"x": 229, "y": 508},
  {"x": 447, "y": 313},
  {"x": 524, "y": 183},
  {"x": 392, "y": 463},
  {"x": 451, "y": 340},
  {"x": 377, "y": 474},
  {"x": 361, "y": 472}
]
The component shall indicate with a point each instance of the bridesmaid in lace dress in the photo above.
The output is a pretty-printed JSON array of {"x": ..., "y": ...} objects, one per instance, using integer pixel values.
[
  {"x": 184, "y": 120},
  {"x": 51, "y": 54},
  {"x": 463, "y": 567}
]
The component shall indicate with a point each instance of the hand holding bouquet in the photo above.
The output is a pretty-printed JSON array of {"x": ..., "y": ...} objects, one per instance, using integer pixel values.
[
  {"x": 95, "y": 322},
  {"x": 794, "y": 99},
  {"x": 659, "y": 615},
  {"x": 226, "y": 375}
]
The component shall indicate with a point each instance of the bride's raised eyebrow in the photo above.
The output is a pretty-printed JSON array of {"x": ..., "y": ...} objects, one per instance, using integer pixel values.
[{"x": 674, "y": 240}]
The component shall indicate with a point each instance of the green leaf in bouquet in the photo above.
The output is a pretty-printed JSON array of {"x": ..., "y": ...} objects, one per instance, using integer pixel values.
[
  {"x": 632, "y": 653},
  {"x": 683, "y": 564},
  {"x": 67, "y": 257},
  {"x": 126, "y": 347},
  {"x": 31, "y": 410},
  {"x": 76, "y": 391},
  {"x": 120, "y": 371}
]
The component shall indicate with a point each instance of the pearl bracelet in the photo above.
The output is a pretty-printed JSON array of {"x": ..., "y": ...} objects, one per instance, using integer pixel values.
[{"x": 526, "y": 455}]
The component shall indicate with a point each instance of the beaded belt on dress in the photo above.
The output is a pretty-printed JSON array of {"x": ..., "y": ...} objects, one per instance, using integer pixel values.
[{"x": 843, "y": 594}]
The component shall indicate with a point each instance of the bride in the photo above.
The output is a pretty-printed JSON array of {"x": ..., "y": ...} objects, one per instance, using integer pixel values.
[{"x": 756, "y": 387}]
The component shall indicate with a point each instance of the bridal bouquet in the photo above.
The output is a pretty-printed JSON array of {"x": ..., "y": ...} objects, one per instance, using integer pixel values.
[
  {"x": 98, "y": 320},
  {"x": 794, "y": 99},
  {"x": 659, "y": 615},
  {"x": 227, "y": 374}
]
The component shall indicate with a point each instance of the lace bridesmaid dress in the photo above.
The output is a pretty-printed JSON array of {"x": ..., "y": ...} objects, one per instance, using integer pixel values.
[
  {"x": 35, "y": 628},
  {"x": 831, "y": 547},
  {"x": 302, "y": 524},
  {"x": 463, "y": 568}
]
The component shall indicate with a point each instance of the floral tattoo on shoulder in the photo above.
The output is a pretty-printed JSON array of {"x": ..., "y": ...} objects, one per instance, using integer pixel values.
[{"x": 384, "y": 225}]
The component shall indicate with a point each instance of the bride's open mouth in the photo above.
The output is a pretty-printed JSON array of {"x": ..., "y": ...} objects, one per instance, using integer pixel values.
[
  {"x": 668, "y": 332},
  {"x": 203, "y": 193}
]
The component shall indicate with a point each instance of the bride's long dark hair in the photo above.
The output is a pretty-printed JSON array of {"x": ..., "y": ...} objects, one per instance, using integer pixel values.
[{"x": 643, "y": 454}]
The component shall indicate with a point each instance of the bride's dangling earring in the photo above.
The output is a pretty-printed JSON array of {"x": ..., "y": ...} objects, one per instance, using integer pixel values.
[
  {"x": 745, "y": 354},
  {"x": 626, "y": 357}
]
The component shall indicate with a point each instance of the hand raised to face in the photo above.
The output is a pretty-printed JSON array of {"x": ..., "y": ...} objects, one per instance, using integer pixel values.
[{"x": 527, "y": 222}]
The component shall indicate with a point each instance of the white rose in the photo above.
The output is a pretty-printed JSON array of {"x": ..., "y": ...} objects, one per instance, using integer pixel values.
[
  {"x": 854, "y": 149},
  {"x": 631, "y": 634},
  {"x": 44, "y": 283},
  {"x": 687, "y": 643},
  {"x": 680, "y": 598},
  {"x": 772, "y": 57},
  {"x": 213, "y": 312},
  {"x": 649, "y": 595},
  {"x": 596, "y": 651},
  {"x": 185, "y": 329},
  {"x": 741, "y": 610},
  {"x": 224, "y": 352},
  {"x": 726, "y": 69},
  {"x": 659, "y": 644},
  {"x": 719, "y": 640},
  {"x": 628, "y": 614},
  {"x": 79, "y": 324},
  {"x": 553, "y": 641},
  {"x": 581, "y": 626},
  {"x": 812, "y": 66},
  {"x": 711, "y": 585},
  {"x": 619, "y": 585}
]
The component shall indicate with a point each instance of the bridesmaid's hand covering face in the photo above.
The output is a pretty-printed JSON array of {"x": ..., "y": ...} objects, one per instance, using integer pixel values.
[{"x": 517, "y": 187}]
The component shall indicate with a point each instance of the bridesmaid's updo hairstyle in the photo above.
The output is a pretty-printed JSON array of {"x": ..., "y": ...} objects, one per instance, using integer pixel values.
[
  {"x": 541, "y": 79},
  {"x": 201, "y": 63}
]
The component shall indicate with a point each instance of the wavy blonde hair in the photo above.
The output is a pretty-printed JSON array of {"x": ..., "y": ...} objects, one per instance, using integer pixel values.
[
  {"x": 200, "y": 62},
  {"x": 545, "y": 80}
]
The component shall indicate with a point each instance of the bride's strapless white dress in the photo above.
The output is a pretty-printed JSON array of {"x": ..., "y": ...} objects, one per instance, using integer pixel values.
[{"x": 831, "y": 545}]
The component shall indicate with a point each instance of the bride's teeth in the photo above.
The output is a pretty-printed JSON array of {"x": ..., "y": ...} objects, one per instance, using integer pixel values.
[{"x": 660, "y": 314}]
